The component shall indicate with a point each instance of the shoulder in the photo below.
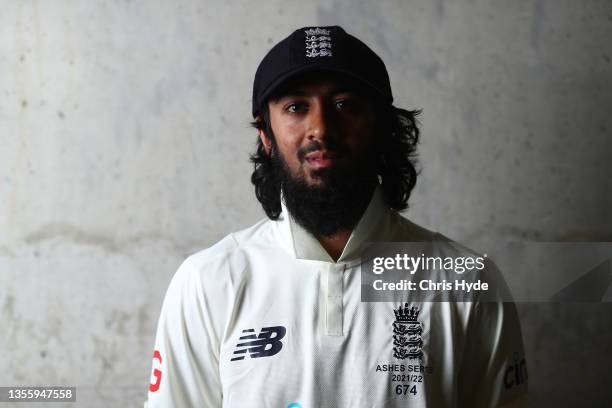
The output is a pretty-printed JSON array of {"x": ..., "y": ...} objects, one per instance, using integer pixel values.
[
  {"x": 211, "y": 278},
  {"x": 403, "y": 229},
  {"x": 229, "y": 254},
  {"x": 468, "y": 264},
  {"x": 234, "y": 244},
  {"x": 406, "y": 230}
]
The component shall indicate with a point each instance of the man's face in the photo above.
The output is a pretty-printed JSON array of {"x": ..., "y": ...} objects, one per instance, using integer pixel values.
[{"x": 323, "y": 126}]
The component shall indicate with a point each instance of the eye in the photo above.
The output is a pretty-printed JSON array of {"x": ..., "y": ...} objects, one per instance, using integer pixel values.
[
  {"x": 350, "y": 104},
  {"x": 347, "y": 104},
  {"x": 295, "y": 107},
  {"x": 341, "y": 104}
]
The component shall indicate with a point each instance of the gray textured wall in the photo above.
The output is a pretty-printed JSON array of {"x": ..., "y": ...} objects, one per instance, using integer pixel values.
[{"x": 124, "y": 144}]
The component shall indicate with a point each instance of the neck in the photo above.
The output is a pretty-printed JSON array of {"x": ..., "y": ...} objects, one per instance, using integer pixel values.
[{"x": 334, "y": 244}]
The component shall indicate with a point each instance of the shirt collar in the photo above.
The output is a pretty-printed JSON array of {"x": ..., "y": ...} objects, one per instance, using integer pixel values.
[{"x": 371, "y": 227}]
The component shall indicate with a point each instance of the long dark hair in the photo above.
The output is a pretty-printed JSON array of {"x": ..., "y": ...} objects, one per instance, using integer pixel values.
[{"x": 399, "y": 136}]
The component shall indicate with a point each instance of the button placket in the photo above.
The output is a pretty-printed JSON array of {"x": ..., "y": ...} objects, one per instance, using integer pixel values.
[{"x": 334, "y": 308}]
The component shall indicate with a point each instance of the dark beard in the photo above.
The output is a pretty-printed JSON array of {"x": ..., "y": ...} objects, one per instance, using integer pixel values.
[{"x": 335, "y": 206}]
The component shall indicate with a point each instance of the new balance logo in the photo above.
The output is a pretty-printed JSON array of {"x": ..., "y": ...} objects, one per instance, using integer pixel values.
[{"x": 267, "y": 343}]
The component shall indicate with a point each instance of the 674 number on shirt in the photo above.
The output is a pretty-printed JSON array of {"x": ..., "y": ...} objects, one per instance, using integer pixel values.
[{"x": 405, "y": 389}]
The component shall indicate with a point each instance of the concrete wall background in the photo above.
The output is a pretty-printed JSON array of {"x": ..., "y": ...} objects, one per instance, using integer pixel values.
[{"x": 124, "y": 144}]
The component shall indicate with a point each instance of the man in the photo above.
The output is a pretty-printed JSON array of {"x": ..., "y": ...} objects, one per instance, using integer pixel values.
[{"x": 271, "y": 316}]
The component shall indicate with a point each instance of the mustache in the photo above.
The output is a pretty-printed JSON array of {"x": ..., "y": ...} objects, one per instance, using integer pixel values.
[{"x": 331, "y": 147}]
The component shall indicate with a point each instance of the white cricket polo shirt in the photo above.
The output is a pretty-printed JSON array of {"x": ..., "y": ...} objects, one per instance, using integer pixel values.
[{"x": 265, "y": 318}]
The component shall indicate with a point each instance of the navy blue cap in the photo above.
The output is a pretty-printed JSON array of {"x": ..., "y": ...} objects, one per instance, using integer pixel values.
[{"x": 327, "y": 48}]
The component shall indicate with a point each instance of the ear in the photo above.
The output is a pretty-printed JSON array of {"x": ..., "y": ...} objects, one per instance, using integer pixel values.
[{"x": 265, "y": 140}]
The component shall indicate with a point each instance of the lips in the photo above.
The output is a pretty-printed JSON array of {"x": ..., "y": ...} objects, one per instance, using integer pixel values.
[{"x": 321, "y": 159}]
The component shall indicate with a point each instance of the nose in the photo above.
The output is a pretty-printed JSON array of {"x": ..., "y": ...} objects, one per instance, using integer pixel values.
[{"x": 320, "y": 122}]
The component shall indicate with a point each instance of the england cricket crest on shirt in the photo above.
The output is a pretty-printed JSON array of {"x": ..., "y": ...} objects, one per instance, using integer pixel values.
[
  {"x": 408, "y": 368},
  {"x": 318, "y": 42},
  {"x": 407, "y": 333}
]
